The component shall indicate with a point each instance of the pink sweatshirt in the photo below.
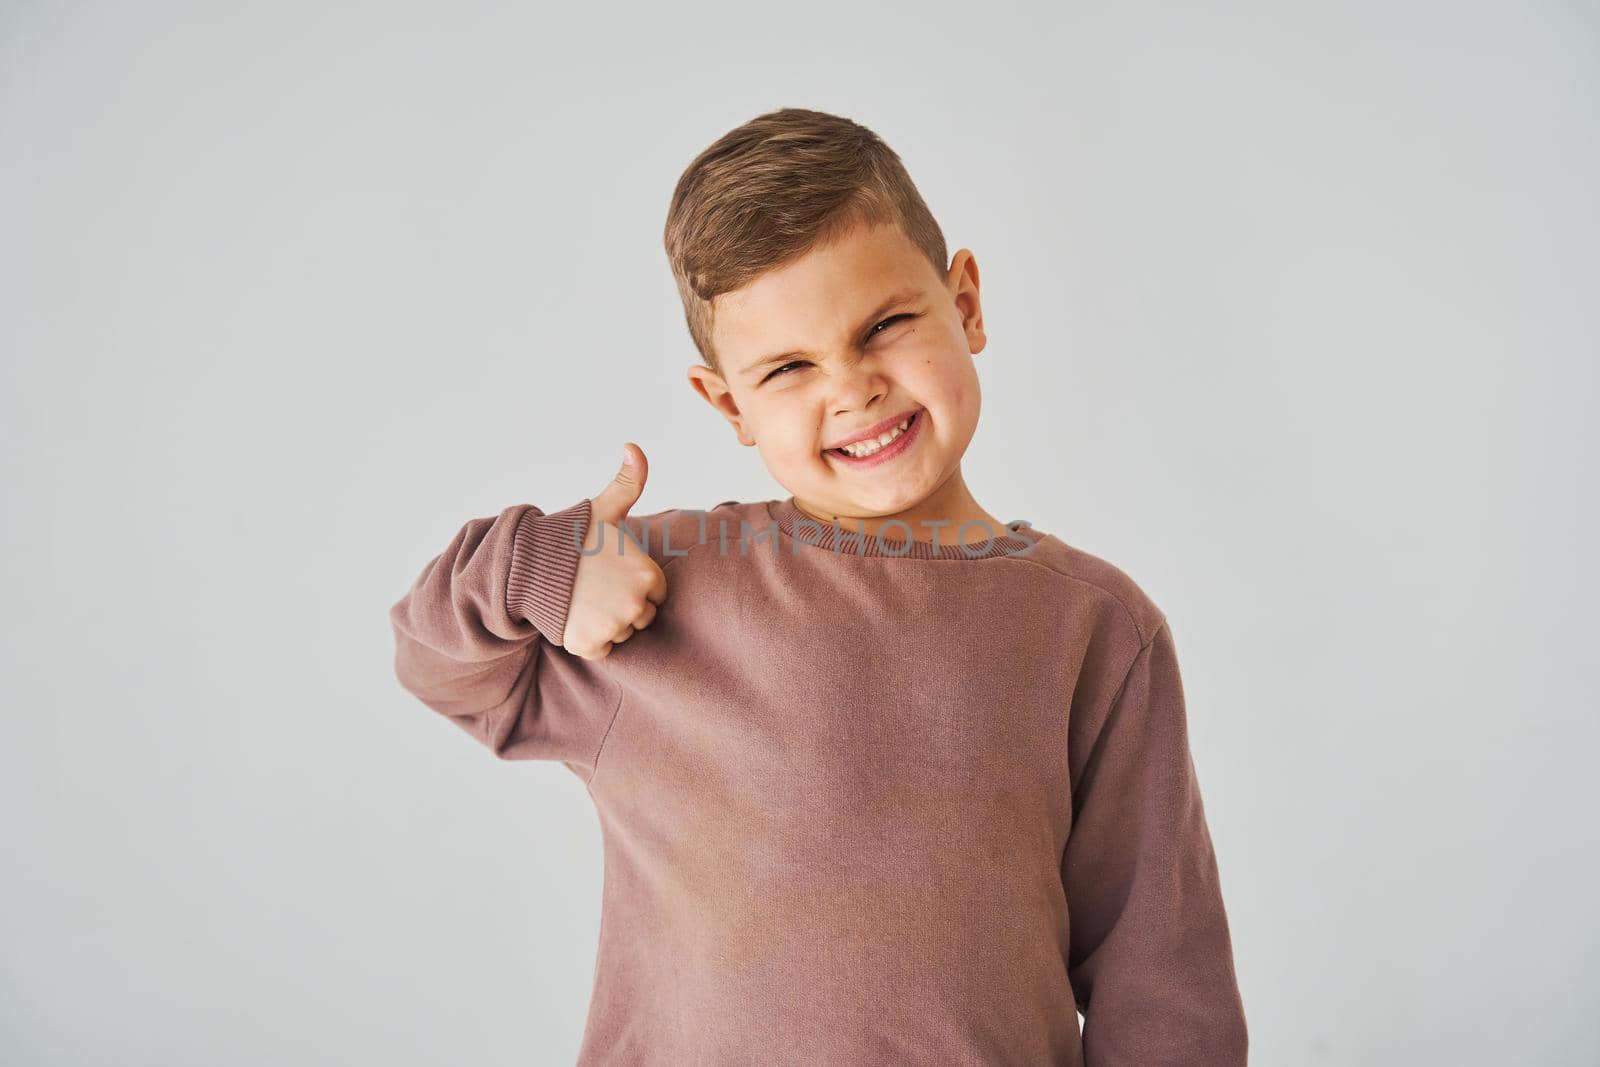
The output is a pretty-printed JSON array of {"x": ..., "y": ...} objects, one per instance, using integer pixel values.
[{"x": 863, "y": 801}]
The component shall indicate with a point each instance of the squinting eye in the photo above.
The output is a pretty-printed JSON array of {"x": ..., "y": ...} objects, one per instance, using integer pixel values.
[
  {"x": 779, "y": 370},
  {"x": 890, "y": 321}
]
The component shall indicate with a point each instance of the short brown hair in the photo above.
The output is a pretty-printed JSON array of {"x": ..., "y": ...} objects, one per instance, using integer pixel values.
[{"x": 773, "y": 189}]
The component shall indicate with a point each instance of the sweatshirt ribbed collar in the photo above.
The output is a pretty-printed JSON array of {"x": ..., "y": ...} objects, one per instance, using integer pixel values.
[{"x": 842, "y": 537}]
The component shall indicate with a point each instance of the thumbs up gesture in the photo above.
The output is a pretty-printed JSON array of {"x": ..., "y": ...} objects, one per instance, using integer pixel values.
[{"x": 617, "y": 588}]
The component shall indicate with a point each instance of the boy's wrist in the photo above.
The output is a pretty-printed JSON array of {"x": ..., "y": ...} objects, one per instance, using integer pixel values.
[{"x": 546, "y": 550}]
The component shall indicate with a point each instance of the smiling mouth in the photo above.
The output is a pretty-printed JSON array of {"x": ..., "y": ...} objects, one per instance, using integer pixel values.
[{"x": 889, "y": 442}]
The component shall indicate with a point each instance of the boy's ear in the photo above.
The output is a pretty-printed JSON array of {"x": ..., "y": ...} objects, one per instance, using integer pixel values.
[
  {"x": 710, "y": 385},
  {"x": 962, "y": 283}
]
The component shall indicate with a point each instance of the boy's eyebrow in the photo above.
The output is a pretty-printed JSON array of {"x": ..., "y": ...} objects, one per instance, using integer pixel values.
[{"x": 867, "y": 320}]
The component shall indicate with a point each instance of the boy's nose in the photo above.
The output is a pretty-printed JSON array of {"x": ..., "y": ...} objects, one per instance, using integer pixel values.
[{"x": 860, "y": 385}]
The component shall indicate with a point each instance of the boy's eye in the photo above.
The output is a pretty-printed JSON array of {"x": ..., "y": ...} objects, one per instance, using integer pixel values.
[
  {"x": 892, "y": 319},
  {"x": 779, "y": 370}
]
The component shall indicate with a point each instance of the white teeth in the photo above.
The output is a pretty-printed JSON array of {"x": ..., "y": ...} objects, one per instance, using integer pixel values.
[{"x": 862, "y": 449}]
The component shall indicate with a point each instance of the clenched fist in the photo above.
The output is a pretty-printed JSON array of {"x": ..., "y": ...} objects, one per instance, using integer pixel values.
[{"x": 616, "y": 590}]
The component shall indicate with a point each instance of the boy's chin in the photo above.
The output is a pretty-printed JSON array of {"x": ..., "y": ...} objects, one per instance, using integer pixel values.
[{"x": 863, "y": 501}]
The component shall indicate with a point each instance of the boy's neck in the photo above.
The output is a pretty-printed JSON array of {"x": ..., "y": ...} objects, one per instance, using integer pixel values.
[{"x": 951, "y": 503}]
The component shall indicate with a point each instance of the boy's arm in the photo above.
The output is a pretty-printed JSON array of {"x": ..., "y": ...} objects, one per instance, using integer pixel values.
[
  {"x": 476, "y": 638},
  {"x": 1151, "y": 960}
]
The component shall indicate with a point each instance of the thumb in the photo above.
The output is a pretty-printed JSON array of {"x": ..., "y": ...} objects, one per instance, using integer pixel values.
[{"x": 611, "y": 504}]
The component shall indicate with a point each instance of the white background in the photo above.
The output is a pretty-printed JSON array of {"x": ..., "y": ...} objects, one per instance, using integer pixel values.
[{"x": 1291, "y": 315}]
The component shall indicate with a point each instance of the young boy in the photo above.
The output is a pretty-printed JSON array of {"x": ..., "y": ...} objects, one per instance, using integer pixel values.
[{"x": 883, "y": 779}]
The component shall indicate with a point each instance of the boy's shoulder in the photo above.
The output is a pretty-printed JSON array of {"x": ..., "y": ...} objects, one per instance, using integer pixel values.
[{"x": 1089, "y": 574}]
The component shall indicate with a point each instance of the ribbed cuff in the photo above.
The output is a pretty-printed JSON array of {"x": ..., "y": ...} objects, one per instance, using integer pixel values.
[{"x": 544, "y": 561}]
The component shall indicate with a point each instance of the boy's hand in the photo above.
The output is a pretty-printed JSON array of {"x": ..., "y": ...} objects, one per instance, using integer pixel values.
[{"x": 616, "y": 589}]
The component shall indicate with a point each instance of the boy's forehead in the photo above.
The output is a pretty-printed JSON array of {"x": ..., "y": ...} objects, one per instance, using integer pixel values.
[{"x": 820, "y": 295}]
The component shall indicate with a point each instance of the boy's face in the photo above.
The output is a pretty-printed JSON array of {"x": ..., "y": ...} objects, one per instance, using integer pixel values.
[{"x": 849, "y": 335}]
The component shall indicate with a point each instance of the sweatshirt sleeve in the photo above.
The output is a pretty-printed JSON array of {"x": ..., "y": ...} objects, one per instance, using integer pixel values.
[
  {"x": 1151, "y": 959},
  {"x": 477, "y": 639}
]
